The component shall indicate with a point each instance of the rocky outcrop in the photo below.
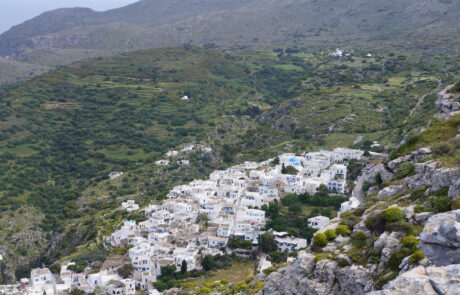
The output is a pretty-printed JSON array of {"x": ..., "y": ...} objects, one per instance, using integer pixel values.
[
  {"x": 390, "y": 191},
  {"x": 440, "y": 239},
  {"x": 427, "y": 174},
  {"x": 385, "y": 175},
  {"x": 425, "y": 280},
  {"x": 305, "y": 276},
  {"x": 447, "y": 103}
]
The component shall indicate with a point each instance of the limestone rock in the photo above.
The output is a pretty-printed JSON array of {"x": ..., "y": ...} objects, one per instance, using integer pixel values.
[
  {"x": 394, "y": 164},
  {"x": 305, "y": 276},
  {"x": 447, "y": 102},
  {"x": 426, "y": 174},
  {"x": 390, "y": 191},
  {"x": 420, "y": 280},
  {"x": 440, "y": 239},
  {"x": 422, "y": 217},
  {"x": 454, "y": 190},
  {"x": 379, "y": 169}
]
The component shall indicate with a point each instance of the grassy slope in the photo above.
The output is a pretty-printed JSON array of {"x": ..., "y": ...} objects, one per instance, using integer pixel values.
[{"x": 64, "y": 131}]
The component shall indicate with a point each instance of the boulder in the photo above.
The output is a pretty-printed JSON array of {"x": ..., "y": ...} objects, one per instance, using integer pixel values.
[
  {"x": 390, "y": 243},
  {"x": 440, "y": 238},
  {"x": 447, "y": 102},
  {"x": 422, "y": 217},
  {"x": 454, "y": 190},
  {"x": 305, "y": 276},
  {"x": 426, "y": 174},
  {"x": 390, "y": 191},
  {"x": 394, "y": 164},
  {"x": 420, "y": 280},
  {"x": 379, "y": 169}
]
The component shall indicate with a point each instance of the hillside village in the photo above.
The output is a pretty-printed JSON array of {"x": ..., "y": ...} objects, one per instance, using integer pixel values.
[{"x": 198, "y": 219}]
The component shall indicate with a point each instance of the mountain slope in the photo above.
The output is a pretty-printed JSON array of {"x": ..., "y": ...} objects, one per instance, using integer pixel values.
[
  {"x": 233, "y": 24},
  {"x": 63, "y": 132}
]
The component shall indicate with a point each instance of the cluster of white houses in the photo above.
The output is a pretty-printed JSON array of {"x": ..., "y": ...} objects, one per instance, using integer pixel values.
[{"x": 198, "y": 219}]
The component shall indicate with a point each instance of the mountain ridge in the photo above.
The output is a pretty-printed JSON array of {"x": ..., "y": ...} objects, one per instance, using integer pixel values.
[{"x": 232, "y": 25}]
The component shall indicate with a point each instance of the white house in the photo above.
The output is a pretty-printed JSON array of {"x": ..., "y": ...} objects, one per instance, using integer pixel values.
[
  {"x": 290, "y": 244},
  {"x": 162, "y": 162},
  {"x": 129, "y": 206},
  {"x": 318, "y": 222},
  {"x": 351, "y": 204},
  {"x": 115, "y": 174}
]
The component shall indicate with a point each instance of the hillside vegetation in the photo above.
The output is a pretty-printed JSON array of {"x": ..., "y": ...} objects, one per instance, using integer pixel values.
[{"x": 63, "y": 132}]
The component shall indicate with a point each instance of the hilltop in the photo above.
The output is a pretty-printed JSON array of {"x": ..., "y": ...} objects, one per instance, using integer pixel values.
[{"x": 66, "y": 35}]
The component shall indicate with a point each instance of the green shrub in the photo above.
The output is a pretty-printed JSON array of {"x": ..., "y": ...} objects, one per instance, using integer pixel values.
[
  {"x": 343, "y": 263},
  {"x": 441, "y": 204},
  {"x": 269, "y": 270},
  {"x": 396, "y": 258},
  {"x": 416, "y": 256},
  {"x": 442, "y": 148},
  {"x": 375, "y": 223},
  {"x": 343, "y": 230},
  {"x": 360, "y": 236},
  {"x": 345, "y": 214},
  {"x": 319, "y": 257},
  {"x": 351, "y": 221},
  {"x": 393, "y": 214},
  {"x": 320, "y": 239},
  {"x": 359, "y": 211},
  {"x": 330, "y": 234},
  {"x": 455, "y": 204},
  {"x": 400, "y": 226},
  {"x": 405, "y": 169},
  {"x": 410, "y": 242}
]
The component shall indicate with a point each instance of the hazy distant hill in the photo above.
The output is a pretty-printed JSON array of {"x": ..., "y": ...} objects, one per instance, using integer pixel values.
[{"x": 66, "y": 35}]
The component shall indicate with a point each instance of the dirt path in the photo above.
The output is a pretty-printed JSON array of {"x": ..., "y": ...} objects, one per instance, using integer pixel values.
[{"x": 420, "y": 101}]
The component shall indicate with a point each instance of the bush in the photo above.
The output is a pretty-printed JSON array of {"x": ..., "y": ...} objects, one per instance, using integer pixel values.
[
  {"x": 416, "y": 256},
  {"x": 455, "y": 204},
  {"x": 269, "y": 270},
  {"x": 351, "y": 221},
  {"x": 400, "y": 226},
  {"x": 320, "y": 239},
  {"x": 224, "y": 282},
  {"x": 375, "y": 223},
  {"x": 442, "y": 148},
  {"x": 331, "y": 234},
  {"x": 205, "y": 290},
  {"x": 441, "y": 204},
  {"x": 405, "y": 169},
  {"x": 343, "y": 263},
  {"x": 345, "y": 214},
  {"x": 396, "y": 258},
  {"x": 319, "y": 257},
  {"x": 343, "y": 230},
  {"x": 393, "y": 214},
  {"x": 410, "y": 242},
  {"x": 125, "y": 270},
  {"x": 360, "y": 236}
]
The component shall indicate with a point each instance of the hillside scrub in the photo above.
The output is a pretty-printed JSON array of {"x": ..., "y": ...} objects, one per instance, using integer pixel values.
[{"x": 393, "y": 214}]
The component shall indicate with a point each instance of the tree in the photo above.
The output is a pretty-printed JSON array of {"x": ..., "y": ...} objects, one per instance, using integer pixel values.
[
  {"x": 168, "y": 271},
  {"x": 267, "y": 242},
  {"x": 125, "y": 270},
  {"x": 208, "y": 263},
  {"x": 183, "y": 267}
]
